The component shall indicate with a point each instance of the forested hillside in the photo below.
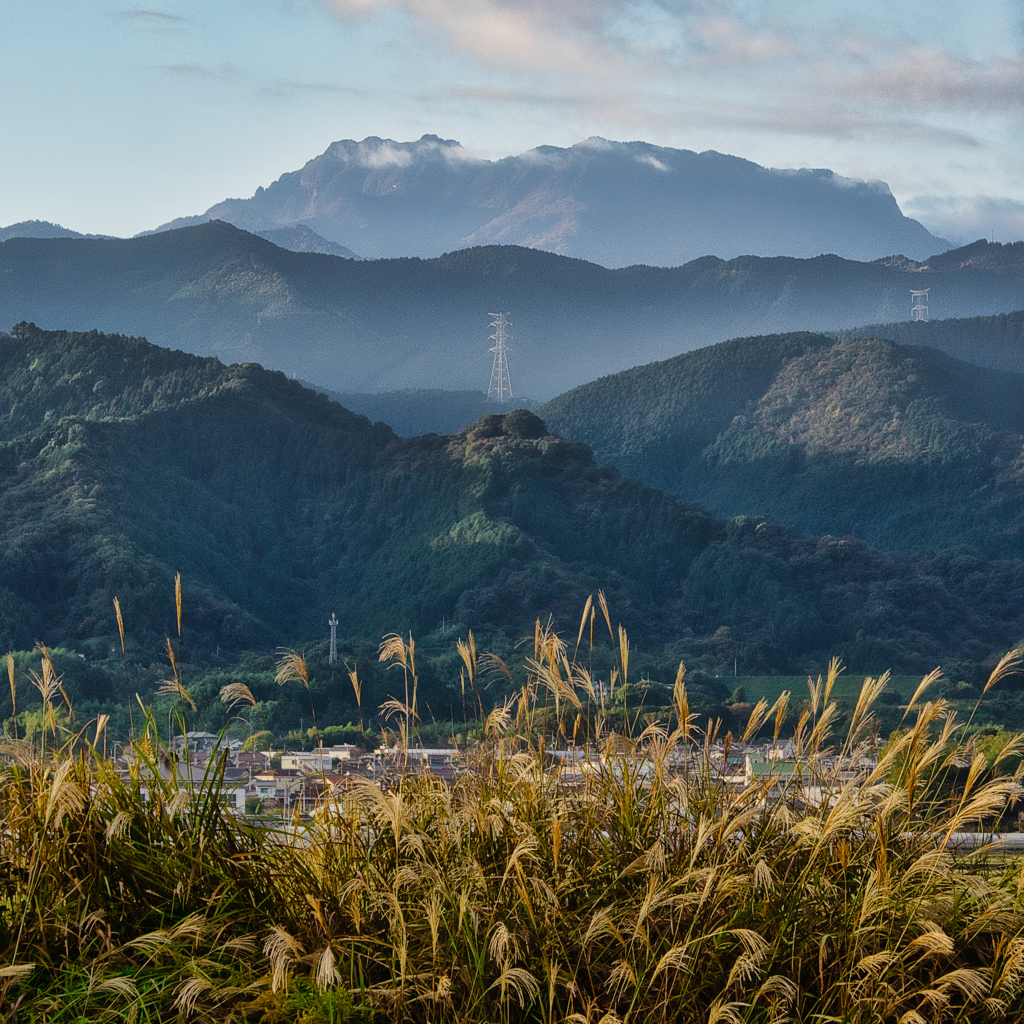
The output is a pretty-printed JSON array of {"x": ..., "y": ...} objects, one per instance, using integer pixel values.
[
  {"x": 904, "y": 447},
  {"x": 996, "y": 341},
  {"x": 384, "y": 325},
  {"x": 280, "y": 507}
]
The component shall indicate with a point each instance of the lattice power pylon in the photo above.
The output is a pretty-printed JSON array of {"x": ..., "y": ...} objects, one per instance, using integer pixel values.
[
  {"x": 500, "y": 389},
  {"x": 919, "y": 309}
]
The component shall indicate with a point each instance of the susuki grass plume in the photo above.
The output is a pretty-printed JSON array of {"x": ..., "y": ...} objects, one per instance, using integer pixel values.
[
  {"x": 357, "y": 690},
  {"x": 634, "y": 882},
  {"x": 402, "y": 654},
  {"x": 124, "y": 665},
  {"x": 14, "y": 692},
  {"x": 292, "y": 667}
]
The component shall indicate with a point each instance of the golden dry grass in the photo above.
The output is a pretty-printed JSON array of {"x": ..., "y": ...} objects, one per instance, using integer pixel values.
[{"x": 643, "y": 889}]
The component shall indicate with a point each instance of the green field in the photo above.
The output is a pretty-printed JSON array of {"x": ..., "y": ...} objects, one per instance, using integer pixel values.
[{"x": 847, "y": 686}]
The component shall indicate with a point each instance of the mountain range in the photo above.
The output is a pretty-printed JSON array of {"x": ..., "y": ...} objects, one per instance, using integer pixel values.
[
  {"x": 611, "y": 203},
  {"x": 381, "y": 325},
  {"x": 122, "y": 463},
  {"x": 748, "y": 472},
  {"x": 903, "y": 446},
  {"x": 297, "y": 237}
]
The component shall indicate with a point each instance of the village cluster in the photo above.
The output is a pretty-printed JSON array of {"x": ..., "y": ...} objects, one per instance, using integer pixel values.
[{"x": 284, "y": 781}]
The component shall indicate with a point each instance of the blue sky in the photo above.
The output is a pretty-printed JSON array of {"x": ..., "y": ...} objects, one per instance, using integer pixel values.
[{"x": 116, "y": 117}]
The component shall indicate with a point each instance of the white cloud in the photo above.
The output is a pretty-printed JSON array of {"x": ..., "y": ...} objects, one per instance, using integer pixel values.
[
  {"x": 511, "y": 34},
  {"x": 715, "y": 45},
  {"x": 930, "y": 79},
  {"x": 653, "y": 161},
  {"x": 596, "y": 36},
  {"x": 154, "y": 18},
  {"x": 964, "y": 219},
  {"x": 384, "y": 155}
]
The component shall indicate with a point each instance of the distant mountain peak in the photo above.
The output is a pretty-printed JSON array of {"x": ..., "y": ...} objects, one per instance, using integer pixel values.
[
  {"x": 612, "y": 203},
  {"x": 302, "y": 238},
  {"x": 375, "y": 152},
  {"x": 41, "y": 229}
]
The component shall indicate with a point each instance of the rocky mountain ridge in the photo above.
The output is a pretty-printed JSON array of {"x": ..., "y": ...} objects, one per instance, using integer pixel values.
[{"x": 612, "y": 203}]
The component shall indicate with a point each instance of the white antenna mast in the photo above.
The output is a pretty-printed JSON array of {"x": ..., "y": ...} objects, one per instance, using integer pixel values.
[{"x": 500, "y": 388}]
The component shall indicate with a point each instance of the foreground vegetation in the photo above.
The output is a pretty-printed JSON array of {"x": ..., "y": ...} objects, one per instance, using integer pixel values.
[{"x": 644, "y": 890}]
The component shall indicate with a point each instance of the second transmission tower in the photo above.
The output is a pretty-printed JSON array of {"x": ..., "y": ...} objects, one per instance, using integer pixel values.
[{"x": 500, "y": 389}]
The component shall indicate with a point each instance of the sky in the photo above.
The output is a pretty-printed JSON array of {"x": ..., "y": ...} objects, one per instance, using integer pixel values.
[{"x": 116, "y": 117}]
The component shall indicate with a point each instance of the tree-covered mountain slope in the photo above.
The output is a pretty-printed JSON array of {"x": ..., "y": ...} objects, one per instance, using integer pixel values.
[
  {"x": 383, "y": 325},
  {"x": 996, "y": 341},
  {"x": 279, "y": 507},
  {"x": 903, "y": 446}
]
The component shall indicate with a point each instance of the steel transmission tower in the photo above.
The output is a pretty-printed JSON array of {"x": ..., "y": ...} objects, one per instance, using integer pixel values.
[
  {"x": 919, "y": 309},
  {"x": 500, "y": 389},
  {"x": 333, "y": 623}
]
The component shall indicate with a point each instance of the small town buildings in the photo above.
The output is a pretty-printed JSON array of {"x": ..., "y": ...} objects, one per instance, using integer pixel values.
[
  {"x": 308, "y": 760},
  {"x": 252, "y": 760},
  {"x": 282, "y": 785},
  {"x": 344, "y": 752},
  {"x": 231, "y": 785}
]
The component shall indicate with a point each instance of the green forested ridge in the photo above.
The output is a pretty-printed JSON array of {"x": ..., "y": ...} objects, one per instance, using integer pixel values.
[
  {"x": 664, "y": 414},
  {"x": 85, "y": 377},
  {"x": 279, "y": 507},
  {"x": 903, "y": 446},
  {"x": 996, "y": 341}
]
